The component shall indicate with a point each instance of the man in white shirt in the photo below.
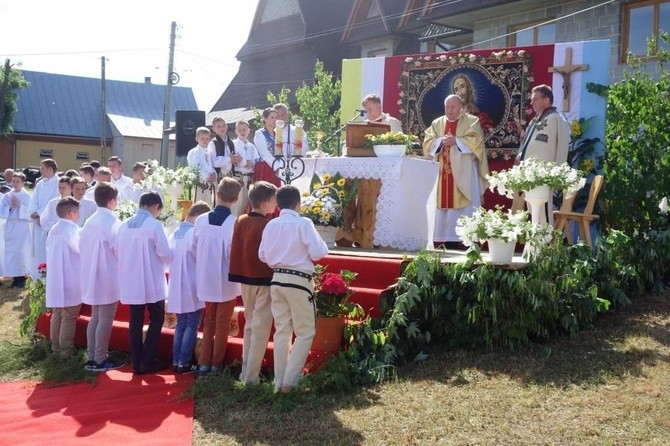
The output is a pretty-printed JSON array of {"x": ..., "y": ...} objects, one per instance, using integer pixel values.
[
  {"x": 289, "y": 131},
  {"x": 290, "y": 245},
  {"x": 45, "y": 189},
  {"x": 243, "y": 166},
  {"x": 121, "y": 181},
  {"x": 200, "y": 158},
  {"x": 14, "y": 208},
  {"x": 103, "y": 175},
  {"x": 373, "y": 110}
]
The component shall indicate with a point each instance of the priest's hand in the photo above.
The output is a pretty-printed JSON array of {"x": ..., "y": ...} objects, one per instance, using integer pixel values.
[{"x": 448, "y": 140}]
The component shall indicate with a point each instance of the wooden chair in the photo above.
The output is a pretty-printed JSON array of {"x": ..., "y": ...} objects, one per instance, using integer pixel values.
[{"x": 583, "y": 219}]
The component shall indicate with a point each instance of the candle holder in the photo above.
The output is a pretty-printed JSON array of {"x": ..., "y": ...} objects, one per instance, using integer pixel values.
[{"x": 288, "y": 167}]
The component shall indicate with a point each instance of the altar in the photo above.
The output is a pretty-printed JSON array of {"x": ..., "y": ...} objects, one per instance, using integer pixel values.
[{"x": 406, "y": 204}]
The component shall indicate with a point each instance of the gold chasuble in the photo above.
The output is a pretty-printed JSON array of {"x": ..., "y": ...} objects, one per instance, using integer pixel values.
[{"x": 454, "y": 182}]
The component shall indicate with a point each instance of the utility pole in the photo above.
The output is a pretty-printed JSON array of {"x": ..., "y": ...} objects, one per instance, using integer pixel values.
[
  {"x": 103, "y": 112},
  {"x": 165, "y": 144}
]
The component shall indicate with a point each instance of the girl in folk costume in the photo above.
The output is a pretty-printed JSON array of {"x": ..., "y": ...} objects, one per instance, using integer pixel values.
[
  {"x": 456, "y": 140},
  {"x": 264, "y": 140},
  {"x": 14, "y": 209}
]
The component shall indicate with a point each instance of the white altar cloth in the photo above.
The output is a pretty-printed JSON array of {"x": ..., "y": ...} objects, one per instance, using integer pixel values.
[{"x": 406, "y": 204}]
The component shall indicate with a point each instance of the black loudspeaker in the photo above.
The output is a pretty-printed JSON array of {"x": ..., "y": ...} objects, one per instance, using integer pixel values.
[{"x": 186, "y": 122}]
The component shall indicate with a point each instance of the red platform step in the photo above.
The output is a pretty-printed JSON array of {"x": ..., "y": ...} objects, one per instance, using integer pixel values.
[{"x": 374, "y": 276}]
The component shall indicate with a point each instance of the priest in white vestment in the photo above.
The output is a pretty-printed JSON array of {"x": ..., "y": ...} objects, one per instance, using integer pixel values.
[{"x": 456, "y": 140}]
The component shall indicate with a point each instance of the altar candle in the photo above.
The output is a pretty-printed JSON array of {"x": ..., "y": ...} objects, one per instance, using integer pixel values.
[
  {"x": 279, "y": 138},
  {"x": 298, "y": 138}
]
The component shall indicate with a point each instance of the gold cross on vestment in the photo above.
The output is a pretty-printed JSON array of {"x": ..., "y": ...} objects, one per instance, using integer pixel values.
[{"x": 566, "y": 71}]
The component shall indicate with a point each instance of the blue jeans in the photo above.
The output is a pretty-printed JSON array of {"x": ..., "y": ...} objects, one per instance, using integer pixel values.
[{"x": 185, "y": 335}]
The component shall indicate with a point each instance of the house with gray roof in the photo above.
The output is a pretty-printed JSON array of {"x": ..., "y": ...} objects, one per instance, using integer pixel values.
[{"x": 60, "y": 117}]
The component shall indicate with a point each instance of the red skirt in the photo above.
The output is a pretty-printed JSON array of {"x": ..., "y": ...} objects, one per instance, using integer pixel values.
[{"x": 263, "y": 172}]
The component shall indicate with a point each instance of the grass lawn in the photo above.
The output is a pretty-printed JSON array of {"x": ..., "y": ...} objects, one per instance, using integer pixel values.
[{"x": 607, "y": 385}]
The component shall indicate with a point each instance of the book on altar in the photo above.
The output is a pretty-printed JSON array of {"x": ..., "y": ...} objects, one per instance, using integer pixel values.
[{"x": 355, "y": 136}]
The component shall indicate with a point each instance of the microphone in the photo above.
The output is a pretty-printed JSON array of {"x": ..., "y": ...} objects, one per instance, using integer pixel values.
[{"x": 360, "y": 112}]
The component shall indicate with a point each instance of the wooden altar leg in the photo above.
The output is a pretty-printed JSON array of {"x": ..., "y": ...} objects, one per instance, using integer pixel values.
[{"x": 368, "y": 192}]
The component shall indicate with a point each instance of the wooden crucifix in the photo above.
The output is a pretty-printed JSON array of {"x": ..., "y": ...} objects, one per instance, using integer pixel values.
[{"x": 566, "y": 71}]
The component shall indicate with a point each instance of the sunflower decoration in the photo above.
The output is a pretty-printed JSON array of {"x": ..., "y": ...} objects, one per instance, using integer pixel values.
[{"x": 324, "y": 202}]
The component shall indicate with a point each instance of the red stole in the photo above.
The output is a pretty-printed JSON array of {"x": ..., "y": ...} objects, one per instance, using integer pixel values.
[{"x": 445, "y": 200}]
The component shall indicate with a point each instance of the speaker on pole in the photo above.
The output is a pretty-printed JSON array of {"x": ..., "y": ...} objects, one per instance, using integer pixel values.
[{"x": 186, "y": 122}]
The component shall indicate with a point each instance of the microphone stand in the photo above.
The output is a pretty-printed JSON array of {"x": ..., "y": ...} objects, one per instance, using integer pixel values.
[{"x": 338, "y": 132}]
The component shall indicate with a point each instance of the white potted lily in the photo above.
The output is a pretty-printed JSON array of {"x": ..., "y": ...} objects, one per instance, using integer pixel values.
[{"x": 501, "y": 230}]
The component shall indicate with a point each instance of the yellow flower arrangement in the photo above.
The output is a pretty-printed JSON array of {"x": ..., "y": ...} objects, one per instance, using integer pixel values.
[
  {"x": 391, "y": 138},
  {"x": 323, "y": 204}
]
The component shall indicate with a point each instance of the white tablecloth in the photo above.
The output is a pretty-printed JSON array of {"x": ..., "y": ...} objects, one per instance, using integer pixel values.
[{"x": 406, "y": 204}]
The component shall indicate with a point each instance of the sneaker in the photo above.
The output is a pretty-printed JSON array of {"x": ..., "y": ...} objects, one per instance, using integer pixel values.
[
  {"x": 203, "y": 370},
  {"x": 215, "y": 370},
  {"x": 175, "y": 368},
  {"x": 90, "y": 365},
  {"x": 187, "y": 369},
  {"x": 107, "y": 364}
]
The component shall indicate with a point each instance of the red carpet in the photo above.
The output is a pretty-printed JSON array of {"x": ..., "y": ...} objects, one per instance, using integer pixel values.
[{"x": 117, "y": 409}]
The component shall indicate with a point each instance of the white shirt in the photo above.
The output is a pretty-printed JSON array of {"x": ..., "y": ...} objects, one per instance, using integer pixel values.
[
  {"x": 99, "y": 259},
  {"x": 291, "y": 241},
  {"x": 122, "y": 184},
  {"x": 63, "y": 287},
  {"x": 261, "y": 144},
  {"x": 45, "y": 190},
  {"x": 144, "y": 253},
  {"x": 211, "y": 248},
  {"x": 385, "y": 118},
  {"x": 48, "y": 217},
  {"x": 248, "y": 152},
  {"x": 182, "y": 296},
  {"x": 223, "y": 162},
  {"x": 200, "y": 158},
  {"x": 87, "y": 208}
]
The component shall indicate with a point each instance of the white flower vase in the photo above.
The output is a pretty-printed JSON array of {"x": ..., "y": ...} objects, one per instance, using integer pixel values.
[
  {"x": 328, "y": 234},
  {"x": 500, "y": 251},
  {"x": 536, "y": 198},
  {"x": 173, "y": 191}
]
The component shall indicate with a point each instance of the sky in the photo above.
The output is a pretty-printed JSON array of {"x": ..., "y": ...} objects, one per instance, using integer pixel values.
[{"x": 72, "y": 36}]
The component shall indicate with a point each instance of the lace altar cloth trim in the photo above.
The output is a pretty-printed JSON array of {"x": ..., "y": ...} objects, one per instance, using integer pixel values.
[{"x": 390, "y": 201}]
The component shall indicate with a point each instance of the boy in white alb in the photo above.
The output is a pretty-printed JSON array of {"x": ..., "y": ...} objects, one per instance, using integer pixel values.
[
  {"x": 87, "y": 207},
  {"x": 290, "y": 245},
  {"x": 45, "y": 189},
  {"x": 100, "y": 277},
  {"x": 182, "y": 296},
  {"x": 212, "y": 238},
  {"x": 15, "y": 209},
  {"x": 63, "y": 288},
  {"x": 243, "y": 165},
  {"x": 200, "y": 158},
  {"x": 48, "y": 217},
  {"x": 144, "y": 254},
  {"x": 121, "y": 181}
]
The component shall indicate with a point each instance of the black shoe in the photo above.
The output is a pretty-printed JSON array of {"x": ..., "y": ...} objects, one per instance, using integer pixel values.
[
  {"x": 155, "y": 367},
  {"x": 187, "y": 369}
]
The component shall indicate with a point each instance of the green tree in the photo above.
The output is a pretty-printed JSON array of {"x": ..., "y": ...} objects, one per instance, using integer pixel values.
[
  {"x": 637, "y": 161},
  {"x": 319, "y": 106},
  {"x": 11, "y": 81}
]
